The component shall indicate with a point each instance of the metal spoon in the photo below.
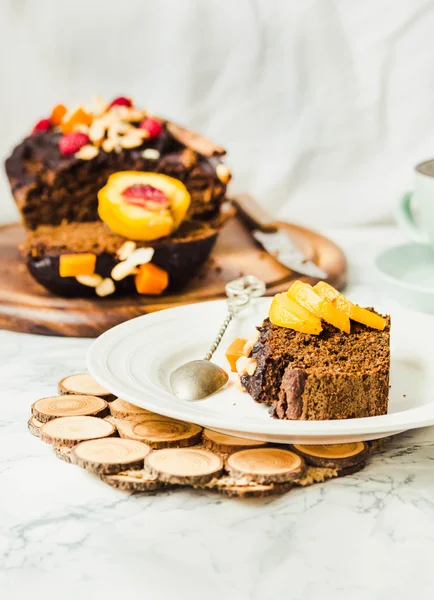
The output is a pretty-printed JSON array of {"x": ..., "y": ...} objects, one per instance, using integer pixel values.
[{"x": 199, "y": 379}]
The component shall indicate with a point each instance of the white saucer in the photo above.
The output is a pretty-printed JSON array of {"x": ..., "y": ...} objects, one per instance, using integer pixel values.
[
  {"x": 407, "y": 271},
  {"x": 134, "y": 361}
]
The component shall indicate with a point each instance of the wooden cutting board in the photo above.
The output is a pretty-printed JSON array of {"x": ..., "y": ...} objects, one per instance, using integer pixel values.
[{"x": 27, "y": 307}]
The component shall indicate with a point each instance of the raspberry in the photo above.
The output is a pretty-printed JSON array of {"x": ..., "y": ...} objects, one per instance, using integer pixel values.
[
  {"x": 146, "y": 196},
  {"x": 120, "y": 101},
  {"x": 42, "y": 125},
  {"x": 72, "y": 142},
  {"x": 152, "y": 126}
]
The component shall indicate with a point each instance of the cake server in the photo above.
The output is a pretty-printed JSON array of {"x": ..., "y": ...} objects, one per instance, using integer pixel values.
[
  {"x": 198, "y": 379},
  {"x": 274, "y": 240}
]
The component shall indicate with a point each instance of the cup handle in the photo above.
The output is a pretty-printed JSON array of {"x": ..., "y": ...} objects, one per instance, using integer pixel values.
[{"x": 404, "y": 217}]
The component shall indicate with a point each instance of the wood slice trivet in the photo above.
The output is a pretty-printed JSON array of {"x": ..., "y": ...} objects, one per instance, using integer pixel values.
[
  {"x": 83, "y": 383},
  {"x": 184, "y": 466},
  {"x": 26, "y": 306},
  {"x": 121, "y": 409},
  {"x": 266, "y": 465},
  {"x": 73, "y": 405},
  {"x": 160, "y": 432},
  {"x": 110, "y": 455},
  {"x": 242, "y": 488},
  {"x": 133, "y": 481},
  {"x": 64, "y": 453},
  {"x": 34, "y": 426},
  {"x": 213, "y": 440},
  {"x": 69, "y": 431},
  {"x": 333, "y": 456}
]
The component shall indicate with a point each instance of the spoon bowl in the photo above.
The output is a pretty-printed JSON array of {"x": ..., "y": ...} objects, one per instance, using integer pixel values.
[{"x": 197, "y": 380}]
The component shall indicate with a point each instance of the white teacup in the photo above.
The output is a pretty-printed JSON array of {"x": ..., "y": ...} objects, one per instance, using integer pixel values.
[{"x": 422, "y": 229}]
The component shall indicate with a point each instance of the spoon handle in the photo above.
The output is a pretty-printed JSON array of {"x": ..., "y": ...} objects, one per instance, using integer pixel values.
[
  {"x": 239, "y": 293},
  {"x": 219, "y": 337}
]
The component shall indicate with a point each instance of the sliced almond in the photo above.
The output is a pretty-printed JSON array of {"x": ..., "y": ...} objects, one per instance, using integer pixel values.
[
  {"x": 130, "y": 141},
  {"x": 105, "y": 288},
  {"x": 122, "y": 270},
  {"x": 87, "y": 152},
  {"x": 97, "y": 132},
  {"x": 151, "y": 154},
  {"x": 246, "y": 366},
  {"x": 89, "y": 280},
  {"x": 108, "y": 145},
  {"x": 141, "y": 256},
  {"x": 248, "y": 347},
  {"x": 223, "y": 173},
  {"x": 126, "y": 250}
]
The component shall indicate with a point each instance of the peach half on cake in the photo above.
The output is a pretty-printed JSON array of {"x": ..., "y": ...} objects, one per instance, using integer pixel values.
[{"x": 143, "y": 206}]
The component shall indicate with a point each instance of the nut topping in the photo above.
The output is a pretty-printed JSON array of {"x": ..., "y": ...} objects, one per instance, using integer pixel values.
[
  {"x": 223, "y": 173},
  {"x": 246, "y": 366},
  {"x": 87, "y": 152},
  {"x": 105, "y": 288},
  {"x": 89, "y": 280},
  {"x": 126, "y": 250}
]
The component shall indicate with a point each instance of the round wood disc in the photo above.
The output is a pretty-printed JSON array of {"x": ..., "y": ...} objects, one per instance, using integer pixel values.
[
  {"x": 110, "y": 455},
  {"x": 133, "y": 481},
  {"x": 63, "y": 452},
  {"x": 333, "y": 455},
  {"x": 83, "y": 383},
  {"x": 69, "y": 431},
  {"x": 227, "y": 443},
  {"x": 165, "y": 433},
  {"x": 34, "y": 426},
  {"x": 266, "y": 465},
  {"x": 184, "y": 465},
  {"x": 121, "y": 409},
  {"x": 228, "y": 486},
  {"x": 73, "y": 405}
]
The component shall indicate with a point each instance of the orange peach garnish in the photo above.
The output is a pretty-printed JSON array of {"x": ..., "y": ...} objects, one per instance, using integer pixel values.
[
  {"x": 306, "y": 296},
  {"x": 355, "y": 312}
]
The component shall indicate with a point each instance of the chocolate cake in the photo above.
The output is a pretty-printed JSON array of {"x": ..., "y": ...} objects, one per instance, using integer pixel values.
[
  {"x": 333, "y": 375},
  {"x": 180, "y": 255},
  {"x": 51, "y": 187},
  {"x": 92, "y": 181}
]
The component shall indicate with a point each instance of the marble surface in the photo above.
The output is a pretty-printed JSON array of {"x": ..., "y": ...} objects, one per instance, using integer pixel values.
[{"x": 63, "y": 534}]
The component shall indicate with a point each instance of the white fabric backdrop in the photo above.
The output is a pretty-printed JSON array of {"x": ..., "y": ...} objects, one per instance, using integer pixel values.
[{"x": 324, "y": 105}]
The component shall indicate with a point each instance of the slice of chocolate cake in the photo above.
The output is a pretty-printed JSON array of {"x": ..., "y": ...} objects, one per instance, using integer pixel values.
[
  {"x": 333, "y": 375},
  {"x": 56, "y": 172},
  {"x": 180, "y": 256}
]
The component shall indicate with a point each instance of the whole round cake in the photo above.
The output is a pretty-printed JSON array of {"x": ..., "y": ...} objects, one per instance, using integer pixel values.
[{"x": 116, "y": 200}]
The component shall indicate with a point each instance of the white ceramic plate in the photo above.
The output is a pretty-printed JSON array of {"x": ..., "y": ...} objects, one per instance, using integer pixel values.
[{"x": 134, "y": 361}]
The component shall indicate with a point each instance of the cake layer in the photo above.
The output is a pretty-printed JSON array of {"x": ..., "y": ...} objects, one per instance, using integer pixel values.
[
  {"x": 51, "y": 188},
  {"x": 332, "y": 375},
  {"x": 181, "y": 255}
]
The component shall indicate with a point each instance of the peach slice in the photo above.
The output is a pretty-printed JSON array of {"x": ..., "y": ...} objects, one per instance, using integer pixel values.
[
  {"x": 151, "y": 280},
  {"x": 234, "y": 352},
  {"x": 306, "y": 296},
  {"x": 355, "y": 312},
  {"x": 286, "y": 312}
]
